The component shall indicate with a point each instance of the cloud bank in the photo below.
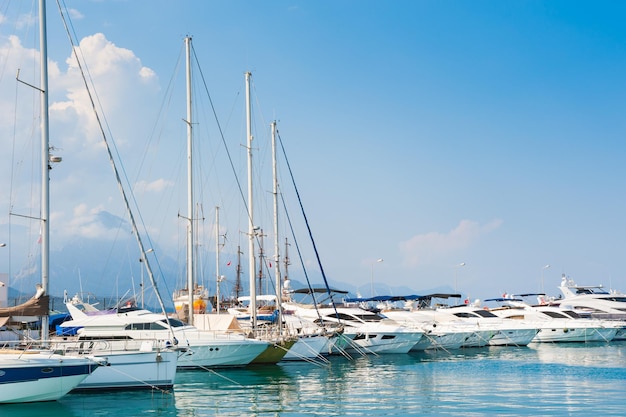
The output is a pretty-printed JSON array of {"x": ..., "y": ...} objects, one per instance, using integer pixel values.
[{"x": 432, "y": 247}]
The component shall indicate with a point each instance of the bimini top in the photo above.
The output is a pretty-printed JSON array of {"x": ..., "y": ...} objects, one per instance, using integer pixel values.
[
  {"x": 379, "y": 298},
  {"x": 318, "y": 291},
  {"x": 442, "y": 295}
]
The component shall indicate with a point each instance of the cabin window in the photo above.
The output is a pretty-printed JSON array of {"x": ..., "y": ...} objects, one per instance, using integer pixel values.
[
  {"x": 173, "y": 323},
  {"x": 465, "y": 315},
  {"x": 369, "y": 317},
  {"x": 485, "y": 313},
  {"x": 554, "y": 314}
]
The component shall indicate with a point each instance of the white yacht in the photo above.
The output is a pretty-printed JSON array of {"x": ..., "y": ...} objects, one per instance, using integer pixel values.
[
  {"x": 435, "y": 308},
  {"x": 33, "y": 375},
  {"x": 314, "y": 341},
  {"x": 206, "y": 349},
  {"x": 594, "y": 301},
  {"x": 556, "y": 324},
  {"x": 437, "y": 334},
  {"x": 368, "y": 332},
  {"x": 504, "y": 332},
  {"x": 131, "y": 364},
  {"x": 311, "y": 340}
]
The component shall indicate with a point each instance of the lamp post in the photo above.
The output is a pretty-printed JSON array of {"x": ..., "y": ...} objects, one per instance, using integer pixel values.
[
  {"x": 456, "y": 268},
  {"x": 542, "y": 269},
  {"x": 372, "y": 282}
]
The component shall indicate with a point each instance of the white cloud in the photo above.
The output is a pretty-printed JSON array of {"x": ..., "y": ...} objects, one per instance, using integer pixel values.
[
  {"x": 426, "y": 248},
  {"x": 154, "y": 186},
  {"x": 121, "y": 82},
  {"x": 146, "y": 73},
  {"x": 116, "y": 75},
  {"x": 86, "y": 222},
  {"x": 75, "y": 14},
  {"x": 26, "y": 20}
]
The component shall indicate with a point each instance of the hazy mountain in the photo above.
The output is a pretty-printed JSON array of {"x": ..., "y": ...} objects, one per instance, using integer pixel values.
[{"x": 110, "y": 268}]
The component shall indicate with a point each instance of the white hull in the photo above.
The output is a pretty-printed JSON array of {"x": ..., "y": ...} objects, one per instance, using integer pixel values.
[
  {"x": 133, "y": 370},
  {"x": 478, "y": 338},
  {"x": 221, "y": 353},
  {"x": 337, "y": 344},
  {"x": 442, "y": 330},
  {"x": 382, "y": 342},
  {"x": 445, "y": 340},
  {"x": 41, "y": 390},
  {"x": 579, "y": 334},
  {"x": 307, "y": 347},
  {"x": 513, "y": 337},
  {"x": 32, "y": 377}
]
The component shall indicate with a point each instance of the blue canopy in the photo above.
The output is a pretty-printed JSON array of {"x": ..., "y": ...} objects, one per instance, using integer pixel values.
[{"x": 383, "y": 298}]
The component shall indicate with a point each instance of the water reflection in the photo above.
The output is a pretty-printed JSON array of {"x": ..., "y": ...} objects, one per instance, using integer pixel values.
[
  {"x": 115, "y": 403},
  {"x": 596, "y": 354},
  {"x": 53, "y": 408},
  {"x": 541, "y": 379}
]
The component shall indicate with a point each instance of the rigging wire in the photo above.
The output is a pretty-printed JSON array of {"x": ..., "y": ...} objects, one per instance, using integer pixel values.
[
  {"x": 319, "y": 262},
  {"x": 219, "y": 127},
  {"x": 116, "y": 172},
  {"x": 84, "y": 70}
]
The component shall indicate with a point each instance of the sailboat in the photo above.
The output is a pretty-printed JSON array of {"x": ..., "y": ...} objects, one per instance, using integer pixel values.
[
  {"x": 146, "y": 366},
  {"x": 213, "y": 344},
  {"x": 280, "y": 341},
  {"x": 32, "y": 375}
]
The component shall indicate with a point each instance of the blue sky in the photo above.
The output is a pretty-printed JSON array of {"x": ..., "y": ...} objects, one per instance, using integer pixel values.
[{"x": 424, "y": 133}]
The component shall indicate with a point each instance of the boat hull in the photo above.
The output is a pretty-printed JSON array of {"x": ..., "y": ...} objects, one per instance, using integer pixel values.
[
  {"x": 306, "y": 347},
  {"x": 579, "y": 334},
  {"x": 274, "y": 353},
  {"x": 222, "y": 353},
  {"x": 396, "y": 342},
  {"x": 28, "y": 377},
  {"x": 133, "y": 370},
  {"x": 513, "y": 337},
  {"x": 478, "y": 338},
  {"x": 443, "y": 340}
]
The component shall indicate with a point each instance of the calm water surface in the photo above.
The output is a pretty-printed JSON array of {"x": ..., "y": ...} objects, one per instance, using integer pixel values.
[{"x": 550, "y": 379}]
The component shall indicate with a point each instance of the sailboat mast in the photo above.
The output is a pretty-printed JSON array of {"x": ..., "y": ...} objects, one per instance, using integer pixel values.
[
  {"x": 190, "y": 265},
  {"x": 45, "y": 162},
  {"x": 217, "y": 259},
  {"x": 286, "y": 259},
  {"x": 251, "y": 229},
  {"x": 276, "y": 244},
  {"x": 238, "y": 274},
  {"x": 261, "y": 260}
]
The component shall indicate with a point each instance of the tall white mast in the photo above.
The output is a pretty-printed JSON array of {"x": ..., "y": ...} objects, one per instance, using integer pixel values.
[
  {"x": 45, "y": 161},
  {"x": 276, "y": 248},
  {"x": 190, "y": 265},
  {"x": 217, "y": 259},
  {"x": 251, "y": 229}
]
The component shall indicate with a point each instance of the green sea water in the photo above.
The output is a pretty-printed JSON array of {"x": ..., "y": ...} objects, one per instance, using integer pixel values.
[{"x": 541, "y": 379}]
